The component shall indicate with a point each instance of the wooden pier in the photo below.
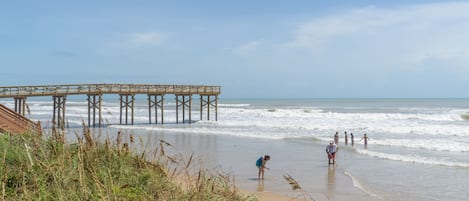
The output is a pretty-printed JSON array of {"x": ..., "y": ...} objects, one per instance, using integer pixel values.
[
  {"x": 94, "y": 92},
  {"x": 15, "y": 123}
]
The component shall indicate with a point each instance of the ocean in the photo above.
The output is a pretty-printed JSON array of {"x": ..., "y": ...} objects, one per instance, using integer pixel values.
[{"x": 417, "y": 150}]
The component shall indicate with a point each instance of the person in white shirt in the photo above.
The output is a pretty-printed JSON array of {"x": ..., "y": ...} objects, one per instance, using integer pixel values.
[{"x": 331, "y": 150}]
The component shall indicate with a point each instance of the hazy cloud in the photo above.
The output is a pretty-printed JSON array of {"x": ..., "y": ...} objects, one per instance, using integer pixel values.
[
  {"x": 409, "y": 34},
  {"x": 372, "y": 19},
  {"x": 247, "y": 48},
  {"x": 146, "y": 38}
]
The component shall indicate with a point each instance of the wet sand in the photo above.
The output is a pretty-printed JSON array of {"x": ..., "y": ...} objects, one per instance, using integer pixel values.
[{"x": 305, "y": 162}]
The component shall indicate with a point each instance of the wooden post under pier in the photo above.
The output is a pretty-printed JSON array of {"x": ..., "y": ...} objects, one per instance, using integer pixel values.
[
  {"x": 205, "y": 101},
  {"x": 127, "y": 101},
  {"x": 94, "y": 103},
  {"x": 59, "y": 110},
  {"x": 20, "y": 104},
  {"x": 127, "y": 93},
  {"x": 156, "y": 101},
  {"x": 184, "y": 103}
]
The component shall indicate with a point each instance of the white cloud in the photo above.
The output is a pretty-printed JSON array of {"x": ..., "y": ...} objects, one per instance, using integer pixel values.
[
  {"x": 414, "y": 34},
  {"x": 368, "y": 19},
  {"x": 146, "y": 38}
]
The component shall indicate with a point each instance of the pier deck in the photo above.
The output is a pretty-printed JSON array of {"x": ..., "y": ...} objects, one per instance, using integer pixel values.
[
  {"x": 65, "y": 90},
  {"x": 156, "y": 92}
]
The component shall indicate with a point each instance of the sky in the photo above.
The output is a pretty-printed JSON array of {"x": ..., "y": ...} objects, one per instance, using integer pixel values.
[{"x": 252, "y": 49}]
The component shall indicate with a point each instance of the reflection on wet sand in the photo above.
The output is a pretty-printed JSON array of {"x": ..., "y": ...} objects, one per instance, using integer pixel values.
[
  {"x": 260, "y": 185},
  {"x": 331, "y": 180}
]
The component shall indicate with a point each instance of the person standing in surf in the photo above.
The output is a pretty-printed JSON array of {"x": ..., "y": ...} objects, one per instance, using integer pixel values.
[
  {"x": 346, "y": 138},
  {"x": 351, "y": 139},
  {"x": 365, "y": 138},
  {"x": 331, "y": 151},
  {"x": 260, "y": 164}
]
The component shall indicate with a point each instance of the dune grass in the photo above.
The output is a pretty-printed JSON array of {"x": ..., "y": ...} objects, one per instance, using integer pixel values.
[{"x": 45, "y": 168}]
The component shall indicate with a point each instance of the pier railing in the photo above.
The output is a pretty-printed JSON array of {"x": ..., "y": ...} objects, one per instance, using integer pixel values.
[
  {"x": 155, "y": 92},
  {"x": 61, "y": 90},
  {"x": 12, "y": 122}
]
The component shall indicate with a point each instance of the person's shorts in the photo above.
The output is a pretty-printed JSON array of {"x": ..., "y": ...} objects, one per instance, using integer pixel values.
[{"x": 331, "y": 156}]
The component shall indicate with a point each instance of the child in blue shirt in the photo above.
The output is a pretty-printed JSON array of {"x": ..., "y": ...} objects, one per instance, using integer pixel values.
[{"x": 260, "y": 163}]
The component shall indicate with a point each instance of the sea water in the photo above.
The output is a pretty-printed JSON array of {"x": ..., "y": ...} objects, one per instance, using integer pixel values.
[{"x": 418, "y": 148}]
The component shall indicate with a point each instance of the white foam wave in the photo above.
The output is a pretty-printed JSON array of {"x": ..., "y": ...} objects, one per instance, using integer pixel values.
[
  {"x": 358, "y": 185},
  {"x": 429, "y": 144},
  {"x": 233, "y": 105},
  {"x": 395, "y": 116},
  {"x": 412, "y": 159},
  {"x": 298, "y": 121},
  {"x": 202, "y": 131},
  {"x": 404, "y": 124}
]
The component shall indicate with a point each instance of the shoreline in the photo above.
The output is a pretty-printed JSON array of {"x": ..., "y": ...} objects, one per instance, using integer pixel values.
[
  {"x": 408, "y": 157},
  {"x": 236, "y": 156}
]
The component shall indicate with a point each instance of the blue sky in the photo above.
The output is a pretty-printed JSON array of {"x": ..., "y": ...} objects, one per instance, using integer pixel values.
[{"x": 253, "y": 49}]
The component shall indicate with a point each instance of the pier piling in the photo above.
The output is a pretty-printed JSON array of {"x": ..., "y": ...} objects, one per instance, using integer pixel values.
[
  {"x": 156, "y": 101},
  {"x": 94, "y": 104},
  {"x": 59, "y": 110},
  {"x": 127, "y": 92},
  {"x": 183, "y": 103},
  {"x": 20, "y": 105},
  {"x": 127, "y": 101},
  {"x": 206, "y": 102}
]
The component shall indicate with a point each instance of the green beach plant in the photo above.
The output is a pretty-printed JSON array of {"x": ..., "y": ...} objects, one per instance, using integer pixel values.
[{"x": 46, "y": 168}]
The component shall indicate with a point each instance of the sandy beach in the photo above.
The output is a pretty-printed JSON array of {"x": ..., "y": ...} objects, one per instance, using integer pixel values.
[
  {"x": 236, "y": 156},
  {"x": 268, "y": 196},
  {"x": 408, "y": 157},
  {"x": 273, "y": 196}
]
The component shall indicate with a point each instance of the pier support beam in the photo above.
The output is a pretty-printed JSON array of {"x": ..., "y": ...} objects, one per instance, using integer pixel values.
[
  {"x": 207, "y": 102},
  {"x": 20, "y": 105},
  {"x": 156, "y": 101},
  {"x": 94, "y": 104},
  {"x": 184, "y": 103},
  {"x": 127, "y": 101},
  {"x": 58, "y": 118}
]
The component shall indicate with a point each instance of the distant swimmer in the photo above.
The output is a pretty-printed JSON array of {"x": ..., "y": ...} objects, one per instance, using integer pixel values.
[
  {"x": 336, "y": 138},
  {"x": 365, "y": 138},
  {"x": 346, "y": 138},
  {"x": 260, "y": 163},
  {"x": 331, "y": 151},
  {"x": 351, "y": 139}
]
